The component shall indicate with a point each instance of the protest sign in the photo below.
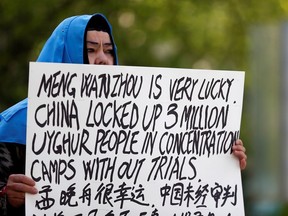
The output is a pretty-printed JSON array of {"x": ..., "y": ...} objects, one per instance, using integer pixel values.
[{"x": 118, "y": 140}]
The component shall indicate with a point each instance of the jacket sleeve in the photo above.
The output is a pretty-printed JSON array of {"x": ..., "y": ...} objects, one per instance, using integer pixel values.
[
  {"x": 12, "y": 161},
  {"x": 6, "y": 164}
]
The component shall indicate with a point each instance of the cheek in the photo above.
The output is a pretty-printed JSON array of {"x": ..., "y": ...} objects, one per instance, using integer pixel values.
[
  {"x": 110, "y": 60},
  {"x": 91, "y": 58}
]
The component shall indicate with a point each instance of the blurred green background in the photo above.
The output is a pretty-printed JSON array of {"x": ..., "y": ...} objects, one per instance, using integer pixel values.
[{"x": 246, "y": 35}]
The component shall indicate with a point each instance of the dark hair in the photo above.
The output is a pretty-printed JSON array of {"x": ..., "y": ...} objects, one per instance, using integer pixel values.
[{"x": 98, "y": 23}]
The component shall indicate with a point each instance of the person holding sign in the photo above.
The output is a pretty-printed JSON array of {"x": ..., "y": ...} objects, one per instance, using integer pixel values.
[{"x": 83, "y": 39}]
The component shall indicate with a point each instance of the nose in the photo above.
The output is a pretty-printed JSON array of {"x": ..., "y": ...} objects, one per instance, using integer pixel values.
[{"x": 101, "y": 58}]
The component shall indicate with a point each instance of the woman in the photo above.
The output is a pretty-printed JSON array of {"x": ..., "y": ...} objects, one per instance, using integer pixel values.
[{"x": 80, "y": 39}]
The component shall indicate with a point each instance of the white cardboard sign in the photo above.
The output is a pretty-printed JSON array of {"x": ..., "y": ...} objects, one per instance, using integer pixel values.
[{"x": 119, "y": 140}]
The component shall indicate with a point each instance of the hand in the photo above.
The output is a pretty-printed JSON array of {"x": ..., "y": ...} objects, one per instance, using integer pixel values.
[
  {"x": 17, "y": 186},
  {"x": 239, "y": 151}
]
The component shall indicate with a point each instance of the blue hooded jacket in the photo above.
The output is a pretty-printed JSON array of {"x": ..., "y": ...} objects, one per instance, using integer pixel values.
[{"x": 65, "y": 45}]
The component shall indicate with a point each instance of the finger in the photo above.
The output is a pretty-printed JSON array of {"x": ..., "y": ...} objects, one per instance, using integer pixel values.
[
  {"x": 20, "y": 187},
  {"x": 239, "y": 142},
  {"x": 20, "y": 178},
  {"x": 243, "y": 164},
  {"x": 21, "y": 183},
  {"x": 239, "y": 148},
  {"x": 242, "y": 158},
  {"x": 239, "y": 154}
]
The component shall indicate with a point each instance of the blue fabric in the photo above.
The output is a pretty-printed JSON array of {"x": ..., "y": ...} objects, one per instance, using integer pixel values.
[
  {"x": 13, "y": 123},
  {"x": 65, "y": 45}
]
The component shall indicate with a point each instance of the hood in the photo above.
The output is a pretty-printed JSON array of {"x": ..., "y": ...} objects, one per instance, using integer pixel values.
[{"x": 65, "y": 45}]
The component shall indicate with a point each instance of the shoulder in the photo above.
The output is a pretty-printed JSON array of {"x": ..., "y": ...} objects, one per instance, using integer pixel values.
[
  {"x": 13, "y": 123},
  {"x": 12, "y": 111}
]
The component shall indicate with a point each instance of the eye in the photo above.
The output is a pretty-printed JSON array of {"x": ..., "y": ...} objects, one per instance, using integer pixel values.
[
  {"x": 109, "y": 51},
  {"x": 90, "y": 50}
]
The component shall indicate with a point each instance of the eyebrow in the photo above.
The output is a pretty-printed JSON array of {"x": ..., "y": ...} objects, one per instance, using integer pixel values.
[{"x": 96, "y": 43}]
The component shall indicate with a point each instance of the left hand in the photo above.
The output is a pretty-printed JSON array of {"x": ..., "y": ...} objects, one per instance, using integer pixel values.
[
  {"x": 17, "y": 186},
  {"x": 239, "y": 151}
]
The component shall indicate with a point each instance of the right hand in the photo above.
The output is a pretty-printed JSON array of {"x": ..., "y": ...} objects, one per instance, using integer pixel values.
[{"x": 17, "y": 186}]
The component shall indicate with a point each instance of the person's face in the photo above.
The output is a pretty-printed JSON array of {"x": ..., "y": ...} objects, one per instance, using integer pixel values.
[{"x": 99, "y": 48}]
